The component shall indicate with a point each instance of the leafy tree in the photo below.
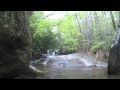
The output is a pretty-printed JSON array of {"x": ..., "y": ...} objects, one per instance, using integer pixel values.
[
  {"x": 43, "y": 38},
  {"x": 79, "y": 30}
]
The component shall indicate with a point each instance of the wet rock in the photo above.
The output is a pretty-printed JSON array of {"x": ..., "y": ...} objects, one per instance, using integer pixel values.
[
  {"x": 44, "y": 55},
  {"x": 36, "y": 55},
  {"x": 93, "y": 66},
  {"x": 37, "y": 62},
  {"x": 31, "y": 73},
  {"x": 23, "y": 77}
]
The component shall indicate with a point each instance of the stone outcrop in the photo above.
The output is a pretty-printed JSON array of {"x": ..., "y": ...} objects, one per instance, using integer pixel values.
[
  {"x": 15, "y": 43},
  {"x": 114, "y": 56}
]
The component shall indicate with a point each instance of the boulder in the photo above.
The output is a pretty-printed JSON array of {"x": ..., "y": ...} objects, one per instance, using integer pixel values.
[
  {"x": 15, "y": 43},
  {"x": 114, "y": 56}
]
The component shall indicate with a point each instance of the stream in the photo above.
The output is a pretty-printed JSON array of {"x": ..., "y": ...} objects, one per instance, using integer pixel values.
[{"x": 73, "y": 66}]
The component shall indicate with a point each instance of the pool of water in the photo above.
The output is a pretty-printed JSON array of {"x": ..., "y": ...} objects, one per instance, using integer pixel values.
[
  {"x": 74, "y": 66},
  {"x": 77, "y": 73}
]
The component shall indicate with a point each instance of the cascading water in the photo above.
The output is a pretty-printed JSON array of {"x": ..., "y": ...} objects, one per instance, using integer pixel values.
[
  {"x": 71, "y": 60},
  {"x": 72, "y": 66}
]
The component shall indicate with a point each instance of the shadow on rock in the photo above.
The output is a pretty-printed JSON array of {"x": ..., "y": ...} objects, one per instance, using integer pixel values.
[{"x": 32, "y": 73}]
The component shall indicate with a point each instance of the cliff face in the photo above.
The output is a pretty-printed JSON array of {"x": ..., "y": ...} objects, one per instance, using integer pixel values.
[{"x": 15, "y": 43}]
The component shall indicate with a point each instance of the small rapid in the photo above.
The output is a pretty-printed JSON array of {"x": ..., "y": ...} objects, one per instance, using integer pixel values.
[{"x": 71, "y": 60}]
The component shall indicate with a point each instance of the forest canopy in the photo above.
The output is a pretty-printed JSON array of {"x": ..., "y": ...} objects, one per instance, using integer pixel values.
[{"x": 73, "y": 31}]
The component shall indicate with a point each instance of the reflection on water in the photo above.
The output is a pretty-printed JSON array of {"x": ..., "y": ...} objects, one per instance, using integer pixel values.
[{"x": 77, "y": 73}]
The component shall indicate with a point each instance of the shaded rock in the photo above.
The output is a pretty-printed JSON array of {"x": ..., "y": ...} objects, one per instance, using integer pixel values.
[
  {"x": 93, "y": 66},
  {"x": 36, "y": 55},
  {"x": 114, "y": 56},
  {"x": 23, "y": 77},
  {"x": 44, "y": 55},
  {"x": 32, "y": 73},
  {"x": 37, "y": 62},
  {"x": 15, "y": 43}
]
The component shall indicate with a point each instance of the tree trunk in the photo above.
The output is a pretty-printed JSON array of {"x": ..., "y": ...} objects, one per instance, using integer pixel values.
[
  {"x": 114, "y": 56},
  {"x": 92, "y": 27},
  {"x": 96, "y": 57},
  {"x": 106, "y": 19},
  {"x": 15, "y": 43},
  {"x": 78, "y": 22},
  {"x": 98, "y": 25},
  {"x": 88, "y": 30},
  {"x": 112, "y": 18},
  {"x": 80, "y": 30}
]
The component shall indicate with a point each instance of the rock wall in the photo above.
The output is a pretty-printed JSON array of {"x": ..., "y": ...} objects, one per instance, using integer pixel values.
[
  {"x": 15, "y": 43},
  {"x": 114, "y": 56}
]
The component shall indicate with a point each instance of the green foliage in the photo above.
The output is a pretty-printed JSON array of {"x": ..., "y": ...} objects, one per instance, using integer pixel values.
[
  {"x": 97, "y": 45},
  {"x": 69, "y": 33},
  {"x": 43, "y": 38},
  {"x": 96, "y": 31}
]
